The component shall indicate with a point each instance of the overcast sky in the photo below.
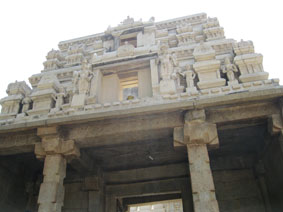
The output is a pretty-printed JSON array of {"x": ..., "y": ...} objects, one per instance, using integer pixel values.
[{"x": 29, "y": 29}]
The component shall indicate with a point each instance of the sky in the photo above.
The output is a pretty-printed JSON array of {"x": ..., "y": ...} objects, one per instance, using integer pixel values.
[{"x": 31, "y": 28}]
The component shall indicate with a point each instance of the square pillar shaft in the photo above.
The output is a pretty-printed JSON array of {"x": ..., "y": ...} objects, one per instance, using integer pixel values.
[
  {"x": 51, "y": 194},
  {"x": 201, "y": 179},
  {"x": 110, "y": 203}
]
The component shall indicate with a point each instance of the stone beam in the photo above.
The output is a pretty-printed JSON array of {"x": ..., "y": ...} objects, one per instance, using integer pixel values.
[
  {"x": 215, "y": 102},
  {"x": 16, "y": 143},
  {"x": 145, "y": 174},
  {"x": 119, "y": 131},
  {"x": 147, "y": 188},
  {"x": 241, "y": 112},
  {"x": 136, "y": 129}
]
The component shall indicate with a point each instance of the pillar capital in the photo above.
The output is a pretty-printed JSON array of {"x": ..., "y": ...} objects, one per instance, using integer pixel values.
[
  {"x": 200, "y": 132},
  {"x": 196, "y": 131},
  {"x": 52, "y": 143}
]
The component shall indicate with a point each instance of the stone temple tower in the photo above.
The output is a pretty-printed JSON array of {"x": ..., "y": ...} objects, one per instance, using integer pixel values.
[{"x": 145, "y": 116}]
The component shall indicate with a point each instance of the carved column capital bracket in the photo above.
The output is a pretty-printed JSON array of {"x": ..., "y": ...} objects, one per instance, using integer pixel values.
[
  {"x": 275, "y": 124},
  {"x": 196, "y": 131},
  {"x": 52, "y": 143}
]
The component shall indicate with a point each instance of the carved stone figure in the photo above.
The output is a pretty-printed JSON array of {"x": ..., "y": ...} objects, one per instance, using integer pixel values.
[
  {"x": 128, "y": 20},
  {"x": 190, "y": 75},
  {"x": 169, "y": 71},
  {"x": 81, "y": 80},
  {"x": 81, "y": 83},
  {"x": 168, "y": 62},
  {"x": 85, "y": 77},
  {"x": 75, "y": 82},
  {"x": 228, "y": 68},
  {"x": 59, "y": 98},
  {"x": 26, "y": 104}
]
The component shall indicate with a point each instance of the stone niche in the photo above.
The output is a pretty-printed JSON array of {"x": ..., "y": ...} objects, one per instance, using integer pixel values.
[
  {"x": 11, "y": 105},
  {"x": 43, "y": 96},
  {"x": 207, "y": 67},
  {"x": 126, "y": 82},
  {"x": 249, "y": 62}
]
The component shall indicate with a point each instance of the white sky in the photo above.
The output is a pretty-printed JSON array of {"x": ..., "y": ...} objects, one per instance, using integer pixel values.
[{"x": 31, "y": 28}]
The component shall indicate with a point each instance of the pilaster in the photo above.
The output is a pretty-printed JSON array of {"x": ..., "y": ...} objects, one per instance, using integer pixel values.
[
  {"x": 55, "y": 152},
  {"x": 197, "y": 134}
]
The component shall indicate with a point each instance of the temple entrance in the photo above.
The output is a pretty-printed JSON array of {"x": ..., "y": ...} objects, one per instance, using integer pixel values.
[
  {"x": 162, "y": 206},
  {"x": 153, "y": 203}
]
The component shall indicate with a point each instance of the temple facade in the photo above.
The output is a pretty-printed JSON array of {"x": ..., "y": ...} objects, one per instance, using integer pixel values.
[{"x": 146, "y": 116}]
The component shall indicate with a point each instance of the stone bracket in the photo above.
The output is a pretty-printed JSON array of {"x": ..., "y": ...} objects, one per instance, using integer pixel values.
[
  {"x": 52, "y": 143},
  {"x": 178, "y": 136},
  {"x": 196, "y": 133},
  {"x": 66, "y": 148},
  {"x": 275, "y": 124}
]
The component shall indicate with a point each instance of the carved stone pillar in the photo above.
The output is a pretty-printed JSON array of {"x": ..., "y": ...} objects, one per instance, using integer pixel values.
[
  {"x": 55, "y": 153},
  {"x": 197, "y": 135}
]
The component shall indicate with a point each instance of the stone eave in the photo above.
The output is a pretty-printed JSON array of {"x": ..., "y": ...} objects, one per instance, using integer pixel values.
[
  {"x": 116, "y": 61},
  {"x": 155, "y": 108},
  {"x": 179, "y": 20},
  {"x": 81, "y": 39}
]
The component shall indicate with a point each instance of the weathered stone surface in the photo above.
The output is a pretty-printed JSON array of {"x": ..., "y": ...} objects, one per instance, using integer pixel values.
[
  {"x": 51, "y": 194},
  {"x": 201, "y": 177},
  {"x": 120, "y": 96}
]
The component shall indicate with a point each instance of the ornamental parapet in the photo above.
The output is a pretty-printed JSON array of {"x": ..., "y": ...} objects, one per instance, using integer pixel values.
[{"x": 136, "y": 64}]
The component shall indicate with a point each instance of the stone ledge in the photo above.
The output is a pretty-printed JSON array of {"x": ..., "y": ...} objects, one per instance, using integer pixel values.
[{"x": 127, "y": 108}]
